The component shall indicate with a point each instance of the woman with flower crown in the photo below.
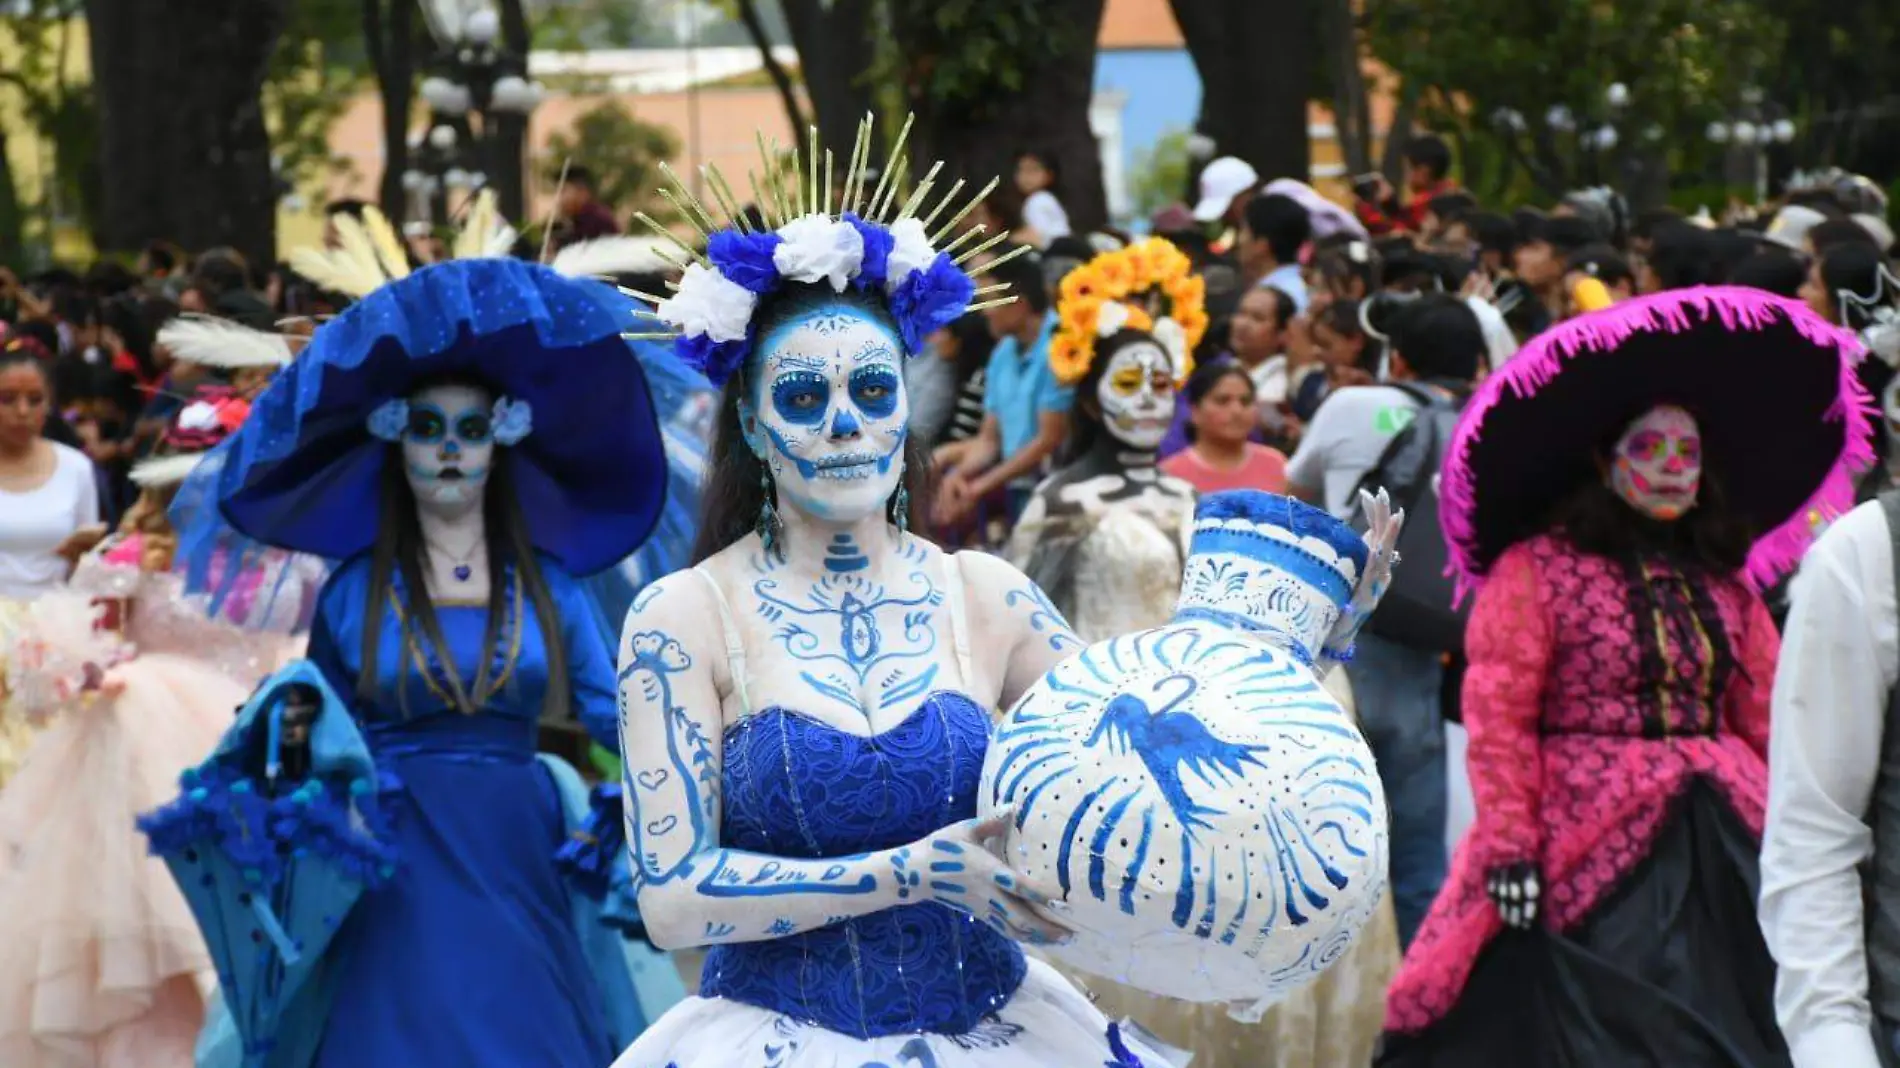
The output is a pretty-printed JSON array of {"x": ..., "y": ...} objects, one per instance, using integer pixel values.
[
  {"x": 1106, "y": 536},
  {"x": 805, "y": 712},
  {"x": 100, "y": 962}
]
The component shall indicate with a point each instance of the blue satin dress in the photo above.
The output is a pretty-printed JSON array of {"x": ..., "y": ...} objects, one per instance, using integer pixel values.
[{"x": 469, "y": 957}]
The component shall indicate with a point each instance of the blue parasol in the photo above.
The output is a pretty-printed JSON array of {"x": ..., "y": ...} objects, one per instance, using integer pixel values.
[
  {"x": 271, "y": 844},
  {"x": 303, "y": 471}
]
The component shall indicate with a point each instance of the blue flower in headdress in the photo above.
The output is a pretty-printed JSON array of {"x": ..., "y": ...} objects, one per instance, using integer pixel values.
[
  {"x": 931, "y": 299},
  {"x": 717, "y": 360},
  {"x": 877, "y": 252},
  {"x": 746, "y": 259}
]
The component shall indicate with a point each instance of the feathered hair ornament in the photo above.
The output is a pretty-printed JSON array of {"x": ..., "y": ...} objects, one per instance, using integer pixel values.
[
  {"x": 817, "y": 231},
  {"x": 213, "y": 342}
]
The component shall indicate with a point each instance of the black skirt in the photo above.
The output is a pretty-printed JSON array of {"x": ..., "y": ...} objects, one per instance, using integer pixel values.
[{"x": 1668, "y": 971}]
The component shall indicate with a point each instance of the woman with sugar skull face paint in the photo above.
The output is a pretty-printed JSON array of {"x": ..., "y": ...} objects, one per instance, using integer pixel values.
[
  {"x": 1106, "y": 536},
  {"x": 466, "y": 440},
  {"x": 806, "y": 712},
  {"x": 1616, "y": 497}
]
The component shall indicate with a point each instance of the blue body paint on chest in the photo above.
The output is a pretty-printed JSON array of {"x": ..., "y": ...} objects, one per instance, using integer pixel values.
[{"x": 843, "y": 556}]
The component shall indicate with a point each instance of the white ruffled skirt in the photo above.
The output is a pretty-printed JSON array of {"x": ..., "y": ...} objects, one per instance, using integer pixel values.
[{"x": 1047, "y": 1024}]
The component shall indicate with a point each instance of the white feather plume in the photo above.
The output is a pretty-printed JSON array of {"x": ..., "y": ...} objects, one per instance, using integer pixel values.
[
  {"x": 484, "y": 234},
  {"x": 165, "y": 470},
  {"x": 213, "y": 342},
  {"x": 606, "y": 257}
]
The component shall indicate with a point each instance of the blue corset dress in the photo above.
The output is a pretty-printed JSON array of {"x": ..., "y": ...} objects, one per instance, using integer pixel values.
[{"x": 793, "y": 787}]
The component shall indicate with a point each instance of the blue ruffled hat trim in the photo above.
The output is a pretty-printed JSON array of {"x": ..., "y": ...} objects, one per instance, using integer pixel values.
[{"x": 302, "y": 473}]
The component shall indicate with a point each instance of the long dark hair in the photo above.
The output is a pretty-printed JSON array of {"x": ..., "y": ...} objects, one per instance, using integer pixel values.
[
  {"x": 735, "y": 487},
  {"x": 400, "y": 550}
]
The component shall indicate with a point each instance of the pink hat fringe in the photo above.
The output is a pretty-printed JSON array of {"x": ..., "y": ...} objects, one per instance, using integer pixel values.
[{"x": 1738, "y": 309}]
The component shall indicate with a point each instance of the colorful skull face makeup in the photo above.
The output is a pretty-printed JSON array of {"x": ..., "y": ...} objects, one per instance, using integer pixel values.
[
  {"x": 1136, "y": 395},
  {"x": 1657, "y": 465},
  {"x": 448, "y": 446},
  {"x": 828, "y": 413}
]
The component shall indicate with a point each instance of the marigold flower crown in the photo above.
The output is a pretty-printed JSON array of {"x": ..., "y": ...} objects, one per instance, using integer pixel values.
[
  {"x": 1149, "y": 286},
  {"x": 865, "y": 238}
]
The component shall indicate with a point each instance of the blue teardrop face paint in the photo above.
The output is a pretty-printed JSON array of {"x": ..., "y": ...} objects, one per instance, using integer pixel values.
[{"x": 831, "y": 412}]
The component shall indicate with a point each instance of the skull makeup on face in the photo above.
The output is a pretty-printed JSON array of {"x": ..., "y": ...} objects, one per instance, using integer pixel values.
[
  {"x": 1136, "y": 394},
  {"x": 1657, "y": 465},
  {"x": 448, "y": 446},
  {"x": 827, "y": 412}
]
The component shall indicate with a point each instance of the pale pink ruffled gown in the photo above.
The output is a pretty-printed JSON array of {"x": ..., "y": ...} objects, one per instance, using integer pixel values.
[{"x": 101, "y": 963}]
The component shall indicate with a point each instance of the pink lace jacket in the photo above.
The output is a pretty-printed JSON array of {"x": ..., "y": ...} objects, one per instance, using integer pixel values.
[{"x": 1583, "y": 727}]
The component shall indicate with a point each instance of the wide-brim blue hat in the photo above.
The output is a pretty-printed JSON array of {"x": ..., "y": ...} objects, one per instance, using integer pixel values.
[{"x": 303, "y": 473}]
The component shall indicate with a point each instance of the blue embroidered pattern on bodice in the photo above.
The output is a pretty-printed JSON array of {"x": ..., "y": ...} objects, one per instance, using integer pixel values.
[{"x": 796, "y": 788}]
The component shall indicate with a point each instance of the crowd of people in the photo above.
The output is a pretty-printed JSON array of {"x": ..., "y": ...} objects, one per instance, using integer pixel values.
[{"x": 1613, "y": 433}]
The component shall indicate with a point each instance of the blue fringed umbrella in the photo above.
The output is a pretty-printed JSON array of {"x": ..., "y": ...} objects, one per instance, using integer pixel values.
[{"x": 271, "y": 843}]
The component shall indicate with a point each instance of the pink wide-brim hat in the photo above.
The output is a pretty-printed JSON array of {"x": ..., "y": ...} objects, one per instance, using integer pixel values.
[{"x": 1785, "y": 421}]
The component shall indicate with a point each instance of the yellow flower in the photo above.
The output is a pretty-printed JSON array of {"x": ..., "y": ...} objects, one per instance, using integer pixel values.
[
  {"x": 1115, "y": 273},
  {"x": 1069, "y": 359}
]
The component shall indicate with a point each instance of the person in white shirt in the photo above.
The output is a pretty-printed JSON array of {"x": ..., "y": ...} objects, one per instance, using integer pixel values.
[
  {"x": 1830, "y": 864},
  {"x": 49, "y": 497},
  {"x": 1044, "y": 218}
]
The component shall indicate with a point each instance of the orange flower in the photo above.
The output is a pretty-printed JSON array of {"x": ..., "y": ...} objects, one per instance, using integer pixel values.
[{"x": 1069, "y": 359}]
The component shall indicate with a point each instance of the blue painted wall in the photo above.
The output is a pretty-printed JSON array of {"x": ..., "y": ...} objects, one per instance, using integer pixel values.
[{"x": 1163, "y": 91}]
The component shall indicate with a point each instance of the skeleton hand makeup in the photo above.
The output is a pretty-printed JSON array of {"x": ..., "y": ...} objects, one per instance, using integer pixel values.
[
  {"x": 827, "y": 413},
  {"x": 1657, "y": 465},
  {"x": 1136, "y": 395},
  {"x": 448, "y": 445}
]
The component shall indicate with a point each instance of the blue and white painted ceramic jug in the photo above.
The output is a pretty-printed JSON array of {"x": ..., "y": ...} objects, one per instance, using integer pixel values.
[{"x": 1210, "y": 815}]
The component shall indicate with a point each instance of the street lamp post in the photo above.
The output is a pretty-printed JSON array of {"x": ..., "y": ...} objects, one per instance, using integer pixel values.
[
  {"x": 1747, "y": 134},
  {"x": 477, "y": 81}
]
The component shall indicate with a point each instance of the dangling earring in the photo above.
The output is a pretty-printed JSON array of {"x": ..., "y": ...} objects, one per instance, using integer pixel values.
[
  {"x": 901, "y": 504},
  {"x": 768, "y": 526}
]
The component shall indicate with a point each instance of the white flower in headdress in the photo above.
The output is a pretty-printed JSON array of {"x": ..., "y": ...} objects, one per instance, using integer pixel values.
[
  {"x": 1173, "y": 338},
  {"x": 910, "y": 251},
  {"x": 200, "y": 416},
  {"x": 1110, "y": 320},
  {"x": 818, "y": 248},
  {"x": 707, "y": 304}
]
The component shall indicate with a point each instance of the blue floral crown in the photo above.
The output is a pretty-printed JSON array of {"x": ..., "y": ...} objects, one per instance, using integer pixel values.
[{"x": 864, "y": 238}]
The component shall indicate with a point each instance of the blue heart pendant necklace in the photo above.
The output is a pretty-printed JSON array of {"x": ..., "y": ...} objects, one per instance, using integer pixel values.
[{"x": 464, "y": 568}]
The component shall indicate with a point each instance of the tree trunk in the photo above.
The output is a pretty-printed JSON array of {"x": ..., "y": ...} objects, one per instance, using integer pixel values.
[
  {"x": 1256, "y": 65},
  {"x": 1352, "y": 109},
  {"x": 1396, "y": 135},
  {"x": 389, "y": 36},
  {"x": 781, "y": 78},
  {"x": 508, "y": 139},
  {"x": 12, "y": 225},
  {"x": 979, "y": 140},
  {"x": 836, "y": 46},
  {"x": 181, "y": 115}
]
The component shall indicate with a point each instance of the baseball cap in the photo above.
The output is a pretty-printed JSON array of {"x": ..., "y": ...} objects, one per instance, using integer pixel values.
[{"x": 1222, "y": 181}]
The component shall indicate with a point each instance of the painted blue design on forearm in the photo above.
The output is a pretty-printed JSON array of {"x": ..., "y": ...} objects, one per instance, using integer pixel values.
[
  {"x": 1043, "y": 617},
  {"x": 654, "y": 660},
  {"x": 777, "y": 878}
]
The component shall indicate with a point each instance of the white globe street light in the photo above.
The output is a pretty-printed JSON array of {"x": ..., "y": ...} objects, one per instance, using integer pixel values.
[
  {"x": 1617, "y": 95},
  {"x": 1718, "y": 132},
  {"x": 1783, "y": 130},
  {"x": 442, "y": 137},
  {"x": 1605, "y": 138},
  {"x": 1560, "y": 118},
  {"x": 482, "y": 27},
  {"x": 1745, "y": 132}
]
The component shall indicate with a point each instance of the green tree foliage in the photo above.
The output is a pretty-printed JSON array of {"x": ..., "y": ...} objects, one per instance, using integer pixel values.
[
  {"x": 1684, "y": 62},
  {"x": 319, "y": 64},
  {"x": 625, "y": 154},
  {"x": 1160, "y": 173},
  {"x": 62, "y": 114}
]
